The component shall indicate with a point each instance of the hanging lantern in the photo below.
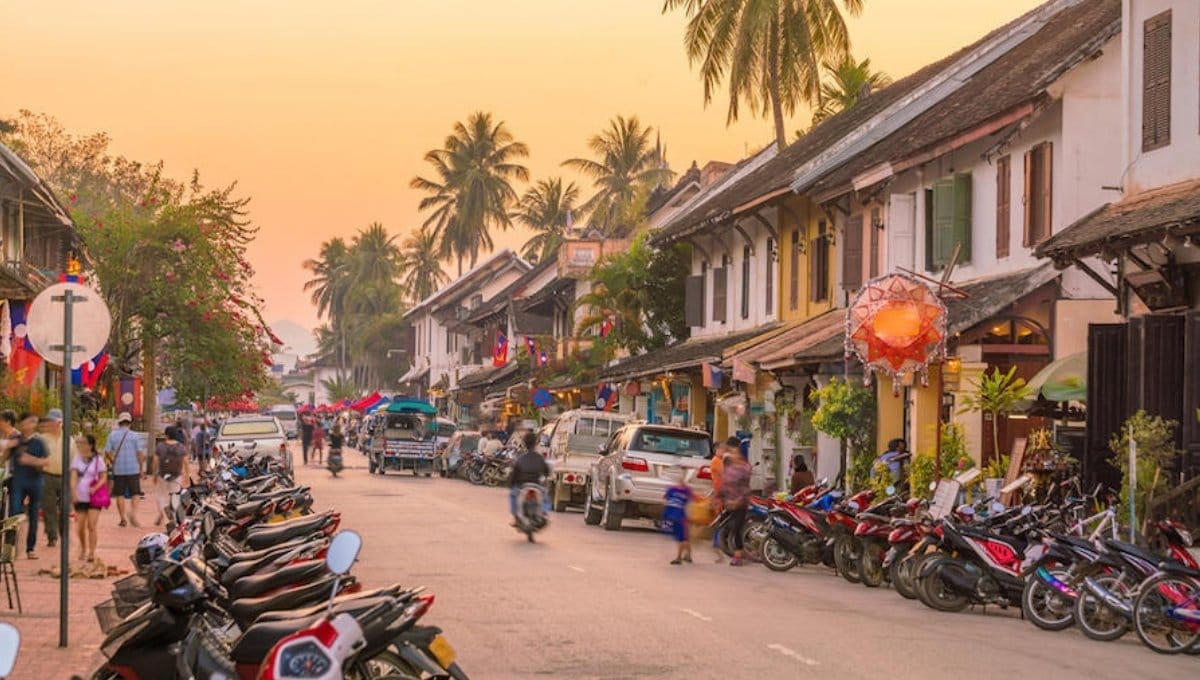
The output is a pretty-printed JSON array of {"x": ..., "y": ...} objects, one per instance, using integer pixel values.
[{"x": 896, "y": 325}]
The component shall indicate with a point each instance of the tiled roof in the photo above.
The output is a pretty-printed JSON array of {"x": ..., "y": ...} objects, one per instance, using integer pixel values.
[
  {"x": 487, "y": 377},
  {"x": 499, "y": 301},
  {"x": 685, "y": 354},
  {"x": 1147, "y": 216},
  {"x": 817, "y": 339},
  {"x": 990, "y": 296}
]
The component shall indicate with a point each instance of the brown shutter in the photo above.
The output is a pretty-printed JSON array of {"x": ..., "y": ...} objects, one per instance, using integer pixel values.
[
  {"x": 1027, "y": 200},
  {"x": 852, "y": 253},
  {"x": 693, "y": 301},
  {"x": 818, "y": 264},
  {"x": 875, "y": 228},
  {"x": 770, "y": 265},
  {"x": 795, "y": 270},
  {"x": 1156, "y": 82},
  {"x": 1003, "y": 205},
  {"x": 720, "y": 293},
  {"x": 1046, "y": 175}
]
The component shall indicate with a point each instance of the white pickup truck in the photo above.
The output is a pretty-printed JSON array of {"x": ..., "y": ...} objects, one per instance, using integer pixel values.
[{"x": 574, "y": 448}]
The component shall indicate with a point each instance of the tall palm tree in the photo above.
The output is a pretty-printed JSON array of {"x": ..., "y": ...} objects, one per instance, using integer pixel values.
[
  {"x": 847, "y": 81},
  {"x": 331, "y": 278},
  {"x": 472, "y": 190},
  {"x": 769, "y": 51},
  {"x": 627, "y": 166},
  {"x": 545, "y": 208},
  {"x": 375, "y": 256},
  {"x": 420, "y": 268}
]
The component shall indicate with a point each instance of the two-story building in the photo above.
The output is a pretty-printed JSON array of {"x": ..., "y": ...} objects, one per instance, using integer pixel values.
[{"x": 1148, "y": 235}]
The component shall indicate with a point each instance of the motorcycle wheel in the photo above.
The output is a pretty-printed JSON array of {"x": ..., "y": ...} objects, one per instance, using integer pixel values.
[
  {"x": 845, "y": 558},
  {"x": 939, "y": 595},
  {"x": 776, "y": 557},
  {"x": 384, "y": 665},
  {"x": 105, "y": 674},
  {"x": 870, "y": 565},
  {"x": 1044, "y": 606},
  {"x": 1154, "y": 626},
  {"x": 1097, "y": 620},
  {"x": 475, "y": 475},
  {"x": 901, "y": 574},
  {"x": 753, "y": 538}
]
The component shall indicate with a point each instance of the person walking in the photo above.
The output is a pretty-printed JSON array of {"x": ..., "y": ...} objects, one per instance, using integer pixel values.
[
  {"x": 128, "y": 456},
  {"x": 734, "y": 495},
  {"x": 29, "y": 457},
  {"x": 801, "y": 476},
  {"x": 307, "y": 423},
  {"x": 716, "y": 468},
  {"x": 167, "y": 470},
  {"x": 51, "y": 432},
  {"x": 318, "y": 442},
  {"x": 88, "y": 475},
  {"x": 675, "y": 520}
]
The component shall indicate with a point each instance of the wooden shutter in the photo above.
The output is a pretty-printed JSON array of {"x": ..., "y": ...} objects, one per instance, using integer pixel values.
[
  {"x": 942, "y": 222},
  {"x": 962, "y": 217},
  {"x": 693, "y": 301},
  {"x": 875, "y": 228},
  {"x": 1156, "y": 82},
  {"x": 720, "y": 293},
  {"x": 746, "y": 282},
  {"x": 852, "y": 253},
  {"x": 1003, "y": 205},
  {"x": 818, "y": 264},
  {"x": 902, "y": 232},
  {"x": 795, "y": 271},
  {"x": 769, "y": 263},
  {"x": 1039, "y": 193},
  {"x": 1107, "y": 399}
]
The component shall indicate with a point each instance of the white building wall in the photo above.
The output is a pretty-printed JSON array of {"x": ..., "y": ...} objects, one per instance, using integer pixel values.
[
  {"x": 732, "y": 243},
  {"x": 1175, "y": 162}
]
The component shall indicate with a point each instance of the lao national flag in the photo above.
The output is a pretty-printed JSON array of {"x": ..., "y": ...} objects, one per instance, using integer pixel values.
[
  {"x": 606, "y": 397},
  {"x": 543, "y": 359},
  {"x": 712, "y": 376},
  {"x": 24, "y": 365},
  {"x": 500, "y": 351},
  {"x": 531, "y": 346},
  {"x": 88, "y": 374},
  {"x": 606, "y": 327}
]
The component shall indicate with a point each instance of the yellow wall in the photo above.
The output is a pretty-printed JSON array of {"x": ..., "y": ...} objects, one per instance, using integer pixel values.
[
  {"x": 924, "y": 414},
  {"x": 890, "y": 412},
  {"x": 810, "y": 216}
]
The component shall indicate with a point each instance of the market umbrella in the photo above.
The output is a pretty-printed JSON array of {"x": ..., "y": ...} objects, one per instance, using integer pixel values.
[{"x": 1064, "y": 379}]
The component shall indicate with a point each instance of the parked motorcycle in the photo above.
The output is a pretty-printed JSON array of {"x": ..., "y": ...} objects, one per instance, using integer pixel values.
[{"x": 334, "y": 464}]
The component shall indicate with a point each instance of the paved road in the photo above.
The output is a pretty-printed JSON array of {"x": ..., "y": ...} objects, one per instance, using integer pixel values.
[{"x": 586, "y": 603}]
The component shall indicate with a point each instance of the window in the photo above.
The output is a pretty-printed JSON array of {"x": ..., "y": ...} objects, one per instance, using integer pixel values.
[
  {"x": 251, "y": 428},
  {"x": 476, "y": 300},
  {"x": 1003, "y": 204},
  {"x": 794, "y": 295},
  {"x": 693, "y": 301},
  {"x": 746, "y": 282},
  {"x": 948, "y": 219},
  {"x": 818, "y": 264},
  {"x": 672, "y": 442},
  {"x": 1038, "y": 193},
  {"x": 1156, "y": 82},
  {"x": 876, "y": 227},
  {"x": 852, "y": 253},
  {"x": 449, "y": 342},
  {"x": 720, "y": 294},
  {"x": 769, "y": 261}
]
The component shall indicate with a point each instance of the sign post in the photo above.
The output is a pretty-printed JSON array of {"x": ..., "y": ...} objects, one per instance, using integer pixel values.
[
  {"x": 68, "y": 346},
  {"x": 1132, "y": 485}
]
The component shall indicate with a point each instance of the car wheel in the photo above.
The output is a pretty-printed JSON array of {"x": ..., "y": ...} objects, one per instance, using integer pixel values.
[
  {"x": 613, "y": 513},
  {"x": 591, "y": 513}
]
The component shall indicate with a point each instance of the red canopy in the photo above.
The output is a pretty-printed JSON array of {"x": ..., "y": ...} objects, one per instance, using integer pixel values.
[{"x": 366, "y": 401}]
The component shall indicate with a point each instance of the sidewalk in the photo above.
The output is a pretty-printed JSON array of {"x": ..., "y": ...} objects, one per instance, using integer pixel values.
[{"x": 40, "y": 656}]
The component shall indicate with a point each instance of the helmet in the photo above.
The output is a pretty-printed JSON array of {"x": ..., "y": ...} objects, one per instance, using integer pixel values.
[{"x": 150, "y": 549}]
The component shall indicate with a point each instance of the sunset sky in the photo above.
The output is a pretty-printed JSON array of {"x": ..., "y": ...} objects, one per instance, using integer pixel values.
[{"x": 323, "y": 110}]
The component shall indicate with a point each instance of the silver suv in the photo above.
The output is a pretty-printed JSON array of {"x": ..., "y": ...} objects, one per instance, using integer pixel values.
[{"x": 637, "y": 466}]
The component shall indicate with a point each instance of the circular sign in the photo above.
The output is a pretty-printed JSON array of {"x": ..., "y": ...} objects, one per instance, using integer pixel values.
[{"x": 90, "y": 325}]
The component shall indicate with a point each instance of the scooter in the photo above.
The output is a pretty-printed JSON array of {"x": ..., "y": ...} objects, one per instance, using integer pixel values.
[
  {"x": 531, "y": 510},
  {"x": 10, "y": 642},
  {"x": 335, "y": 461}
]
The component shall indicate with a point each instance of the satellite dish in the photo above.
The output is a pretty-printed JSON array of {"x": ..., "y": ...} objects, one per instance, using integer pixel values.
[{"x": 90, "y": 325}]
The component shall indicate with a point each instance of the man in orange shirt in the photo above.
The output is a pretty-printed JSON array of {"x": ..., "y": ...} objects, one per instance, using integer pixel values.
[{"x": 716, "y": 467}]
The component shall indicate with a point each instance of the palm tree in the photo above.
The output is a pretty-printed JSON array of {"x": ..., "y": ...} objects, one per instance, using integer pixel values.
[
  {"x": 375, "y": 256},
  {"x": 473, "y": 190},
  {"x": 769, "y": 51},
  {"x": 628, "y": 167},
  {"x": 419, "y": 266},
  {"x": 848, "y": 81},
  {"x": 331, "y": 279},
  {"x": 545, "y": 208},
  {"x": 340, "y": 387}
]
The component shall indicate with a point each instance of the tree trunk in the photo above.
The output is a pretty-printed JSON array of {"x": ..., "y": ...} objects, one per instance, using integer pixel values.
[
  {"x": 776, "y": 101},
  {"x": 460, "y": 260},
  {"x": 149, "y": 390}
]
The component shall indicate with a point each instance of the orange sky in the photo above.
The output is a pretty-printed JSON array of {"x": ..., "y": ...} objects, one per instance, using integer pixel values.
[{"x": 323, "y": 110}]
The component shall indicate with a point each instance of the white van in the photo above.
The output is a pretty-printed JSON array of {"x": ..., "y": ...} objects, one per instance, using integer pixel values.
[
  {"x": 574, "y": 447},
  {"x": 288, "y": 418}
]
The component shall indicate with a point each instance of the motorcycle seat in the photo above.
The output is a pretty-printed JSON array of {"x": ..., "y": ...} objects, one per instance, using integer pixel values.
[
  {"x": 238, "y": 570},
  {"x": 1177, "y": 568},
  {"x": 271, "y": 534},
  {"x": 254, "y": 644},
  {"x": 289, "y": 574},
  {"x": 346, "y": 600},
  {"x": 1131, "y": 549},
  {"x": 246, "y": 610},
  {"x": 285, "y": 491},
  {"x": 255, "y": 555}
]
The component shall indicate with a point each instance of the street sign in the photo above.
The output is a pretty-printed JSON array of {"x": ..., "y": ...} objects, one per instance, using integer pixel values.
[{"x": 90, "y": 325}]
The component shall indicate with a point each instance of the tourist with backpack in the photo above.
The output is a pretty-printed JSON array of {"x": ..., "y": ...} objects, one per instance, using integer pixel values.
[{"x": 168, "y": 468}]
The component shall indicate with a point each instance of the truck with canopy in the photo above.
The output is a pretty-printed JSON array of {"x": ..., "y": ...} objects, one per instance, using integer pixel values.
[{"x": 404, "y": 437}]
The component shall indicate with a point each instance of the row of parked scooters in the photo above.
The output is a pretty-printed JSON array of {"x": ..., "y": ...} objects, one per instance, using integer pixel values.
[
  {"x": 483, "y": 469},
  {"x": 250, "y": 582},
  {"x": 1060, "y": 560}
]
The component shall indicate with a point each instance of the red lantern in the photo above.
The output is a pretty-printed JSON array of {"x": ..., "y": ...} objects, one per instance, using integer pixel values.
[{"x": 896, "y": 325}]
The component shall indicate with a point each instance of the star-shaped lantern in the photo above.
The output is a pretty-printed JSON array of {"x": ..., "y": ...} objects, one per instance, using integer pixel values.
[{"x": 896, "y": 325}]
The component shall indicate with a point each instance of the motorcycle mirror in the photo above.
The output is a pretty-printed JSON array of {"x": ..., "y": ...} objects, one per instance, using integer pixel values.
[
  {"x": 997, "y": 507},
  {"x": 891, "y": 490},
  {"x": 933, "y": 486},
  {"x": 10, "y": 642},
  {"x": 343, "y": 550}
]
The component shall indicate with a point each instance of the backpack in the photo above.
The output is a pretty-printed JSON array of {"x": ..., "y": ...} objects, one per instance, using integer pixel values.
[{"x": 170, "y": 460}]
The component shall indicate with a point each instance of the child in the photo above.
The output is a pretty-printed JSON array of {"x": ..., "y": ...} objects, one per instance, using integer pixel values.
[{"x": 675, "y": 519}]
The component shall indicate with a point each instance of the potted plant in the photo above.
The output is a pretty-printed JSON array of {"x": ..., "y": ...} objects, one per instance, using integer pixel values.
[{"x": 996, "y": 394}]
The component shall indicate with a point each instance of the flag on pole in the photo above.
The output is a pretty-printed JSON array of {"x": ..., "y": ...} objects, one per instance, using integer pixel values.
[
  {"x": 713, "y": 376},
  {"x": 606, "y": 327},
  {"x": 500, "y": 351},
  {"x": 543, "y": 359},
  {"x": 531, "y": 347},
  {"x": 24, "y": 365},
  {"x": 606, "y": 397}
]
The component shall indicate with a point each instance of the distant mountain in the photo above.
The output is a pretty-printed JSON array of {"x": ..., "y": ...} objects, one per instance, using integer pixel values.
[{"x": 293, "y": 335}]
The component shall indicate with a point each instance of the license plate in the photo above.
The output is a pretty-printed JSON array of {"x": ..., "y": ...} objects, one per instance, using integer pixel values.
[{"x": 442, "y": 651}]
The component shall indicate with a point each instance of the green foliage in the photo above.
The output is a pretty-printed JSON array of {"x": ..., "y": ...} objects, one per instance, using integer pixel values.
[
  {"x": 997, "y": 468},
  {"x": 998, "y": 394},
  {"x": 955, "y": 459},
  {"x": 340, "y": 387},
  {"x": 847, "y": 79},
  {"x": 641, "y": 292},
  {"x": 545, "y": 209},
  {"x": 1156, "y": 452},
  {"x": 845, "y": 410}
]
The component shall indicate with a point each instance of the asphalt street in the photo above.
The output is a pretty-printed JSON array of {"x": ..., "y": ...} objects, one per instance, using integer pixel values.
[{"x": 587, "y": 603}]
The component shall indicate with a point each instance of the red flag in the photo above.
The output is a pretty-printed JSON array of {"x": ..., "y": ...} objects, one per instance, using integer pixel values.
[
  {"x": 24, "y": 365},
  {"x": 606, "y": 327},
  {"x": 500, "y": 351}
]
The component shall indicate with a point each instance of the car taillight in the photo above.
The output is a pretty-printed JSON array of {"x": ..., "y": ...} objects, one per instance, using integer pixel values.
[
  {"x": 705, "y": 473},
  {"x": 635, "y": 464}
]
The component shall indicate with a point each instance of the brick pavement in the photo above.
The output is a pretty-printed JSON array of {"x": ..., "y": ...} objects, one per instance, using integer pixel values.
[{"x": 40, "y": 656}]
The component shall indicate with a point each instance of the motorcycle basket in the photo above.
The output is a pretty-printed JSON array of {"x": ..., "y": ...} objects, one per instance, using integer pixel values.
[{"x": 107, "y": 616}]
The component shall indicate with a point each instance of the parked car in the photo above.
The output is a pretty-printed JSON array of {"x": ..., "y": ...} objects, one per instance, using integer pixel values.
[
  {"x": 287, "y": 416},
  {"x": 265, "y": 435},
  {"x": 637, "y": 465},
  {"x": 574, "y": 442},
  {"x": 462, "y": 444}
]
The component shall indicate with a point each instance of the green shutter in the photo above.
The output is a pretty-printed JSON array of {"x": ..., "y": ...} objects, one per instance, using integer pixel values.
[
  {"x": 962, "y": 216},
  {"x": 943, "y": 221}
]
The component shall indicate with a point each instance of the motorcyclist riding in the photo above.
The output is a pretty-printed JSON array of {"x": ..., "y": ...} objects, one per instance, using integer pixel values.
[{"x": 529, "y": 468}]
